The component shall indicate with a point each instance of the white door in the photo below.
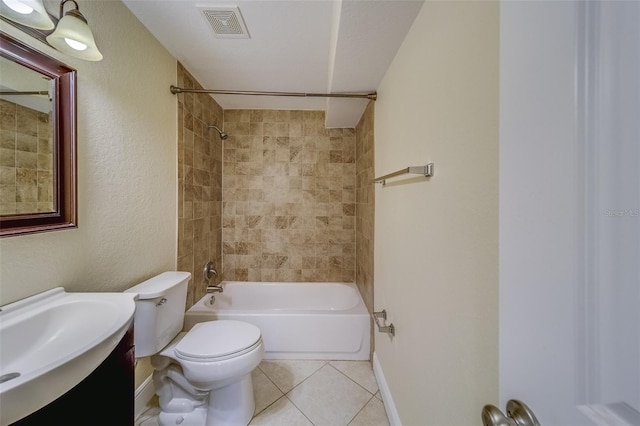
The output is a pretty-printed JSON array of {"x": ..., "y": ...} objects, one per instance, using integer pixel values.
[{"x": 570, "y": 210}]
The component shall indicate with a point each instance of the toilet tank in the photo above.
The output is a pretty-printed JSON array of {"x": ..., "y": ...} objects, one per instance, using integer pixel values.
[{"x": 159, "y": 311}]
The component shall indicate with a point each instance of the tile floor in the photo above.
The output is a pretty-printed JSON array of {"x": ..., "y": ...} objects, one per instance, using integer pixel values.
[{"x": 308, "y": 393}]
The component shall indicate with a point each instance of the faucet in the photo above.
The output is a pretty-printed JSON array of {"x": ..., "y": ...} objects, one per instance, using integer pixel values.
[
  {"x": 210, "y": 272},
  {"x": 214, "y": 289}
]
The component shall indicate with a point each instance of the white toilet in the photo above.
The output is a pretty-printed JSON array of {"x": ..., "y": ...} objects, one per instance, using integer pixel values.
[{"x": 202, "y": 377}]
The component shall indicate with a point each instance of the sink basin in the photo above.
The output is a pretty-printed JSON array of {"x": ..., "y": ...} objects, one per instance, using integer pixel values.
[{"x": 51, "y": 341}]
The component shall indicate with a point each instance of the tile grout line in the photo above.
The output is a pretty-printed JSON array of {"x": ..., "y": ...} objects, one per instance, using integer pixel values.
[
  {"x": 284, "y": 394},
  {"x": 324, "y": 365},
  {"x": 298, "y": 408},
  {"x": 277, "y": 399},
  {"x": 345, "y": 375},
  {"x": 360, "y": 411},
  {"x": 265, "y": 408},
  {"x": 304, "y": 380}
]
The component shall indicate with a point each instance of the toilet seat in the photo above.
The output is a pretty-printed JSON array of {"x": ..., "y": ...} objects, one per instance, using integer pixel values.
[{"x": 218, "y": 340}]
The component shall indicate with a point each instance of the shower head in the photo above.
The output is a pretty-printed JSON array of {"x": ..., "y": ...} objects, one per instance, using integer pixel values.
[{"x": 223, "y": 135}]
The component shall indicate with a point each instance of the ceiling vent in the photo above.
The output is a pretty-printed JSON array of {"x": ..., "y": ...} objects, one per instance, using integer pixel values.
[{"x": 226, "y": 22}]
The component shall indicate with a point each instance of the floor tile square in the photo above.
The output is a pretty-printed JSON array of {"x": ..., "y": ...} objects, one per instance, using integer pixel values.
[
  {"x": 287, "y": 374},
  {"x": 360, "y": 372},
  {"x": 265, "y": 392},
  {"x": 281, "y": 413},
  {"x": 373, "y": 414},
  {"x": 329, "y": 398}
]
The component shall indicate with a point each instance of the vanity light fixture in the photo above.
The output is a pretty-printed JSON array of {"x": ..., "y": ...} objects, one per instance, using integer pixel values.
[
  {"x": 73, "y": 35},
  {"x": 27, "y": 12}
]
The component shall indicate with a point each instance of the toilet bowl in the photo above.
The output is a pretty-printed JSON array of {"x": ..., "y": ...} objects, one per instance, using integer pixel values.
[
  {"x": 203, "y": 376},
  {"x": 218, "y": 357}
]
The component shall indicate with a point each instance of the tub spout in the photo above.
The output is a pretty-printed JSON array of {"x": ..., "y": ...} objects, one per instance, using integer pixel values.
[{"x": 214, "y": 289}]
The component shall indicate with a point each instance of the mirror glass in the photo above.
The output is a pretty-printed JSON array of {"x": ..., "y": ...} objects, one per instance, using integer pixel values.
[
  {"x": 37, "y": 141},
  {"x": 26, "y": 140}
]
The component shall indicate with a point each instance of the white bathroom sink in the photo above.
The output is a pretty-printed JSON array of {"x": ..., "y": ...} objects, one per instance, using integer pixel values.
[{"x": 51, "y": 341}]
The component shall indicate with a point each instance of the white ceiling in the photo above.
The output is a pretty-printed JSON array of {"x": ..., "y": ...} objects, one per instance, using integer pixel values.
[
  {"x": 16, "y": 78},
  {"x": 309, "y": 46}
]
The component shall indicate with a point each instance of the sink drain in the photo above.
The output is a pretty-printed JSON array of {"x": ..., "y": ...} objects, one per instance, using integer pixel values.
[{"x": 8, "y": 376}]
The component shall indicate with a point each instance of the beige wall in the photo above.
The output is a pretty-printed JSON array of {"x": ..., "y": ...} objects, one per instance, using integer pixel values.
[
  {"x": 126, "y": 169},
  {"x": 199, "y": 185},
  {"x": 288, "y": 198},
  {"x": 436, "y": 240}
]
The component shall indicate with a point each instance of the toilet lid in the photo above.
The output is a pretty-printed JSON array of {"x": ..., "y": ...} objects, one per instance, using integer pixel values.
[{"x": 219, "y": 338}]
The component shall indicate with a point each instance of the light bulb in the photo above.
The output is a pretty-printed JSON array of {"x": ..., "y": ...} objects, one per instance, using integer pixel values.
[
  {"x": 18, "y": 6},
  {"x": 75, "y": 44}
]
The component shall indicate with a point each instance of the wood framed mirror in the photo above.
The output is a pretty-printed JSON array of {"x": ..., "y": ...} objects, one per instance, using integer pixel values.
[{"x": 38, "y": 183}]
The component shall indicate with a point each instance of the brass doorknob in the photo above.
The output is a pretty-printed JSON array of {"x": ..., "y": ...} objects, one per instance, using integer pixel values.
[{"x": 518, "y": 414}]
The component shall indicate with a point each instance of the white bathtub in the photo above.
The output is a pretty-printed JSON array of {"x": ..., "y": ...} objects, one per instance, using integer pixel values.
[{"x": 297, "y": 320}]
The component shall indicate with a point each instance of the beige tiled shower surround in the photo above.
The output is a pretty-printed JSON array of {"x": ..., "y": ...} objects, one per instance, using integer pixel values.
[
  {"x": 296, "y": 203},
  {"x": 365, "y": 206},
  {"x": 26, "y": 160},
  {"x": 289, "y": 201},
  {"x": 199, "y": 184}
]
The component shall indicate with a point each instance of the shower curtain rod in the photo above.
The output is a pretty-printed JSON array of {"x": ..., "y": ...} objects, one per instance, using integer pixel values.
[
  {"x": 372, "y": 96},
  {"x": 33, "y": 92}
]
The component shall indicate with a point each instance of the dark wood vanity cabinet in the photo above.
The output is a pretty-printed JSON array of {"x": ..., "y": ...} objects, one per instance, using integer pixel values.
[{"x": 104, "y": 398}]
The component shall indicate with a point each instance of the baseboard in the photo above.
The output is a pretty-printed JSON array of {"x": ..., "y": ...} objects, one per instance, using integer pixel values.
[
  {"x": 387, "y": 399},
  {"x": 143, "y": 395}
]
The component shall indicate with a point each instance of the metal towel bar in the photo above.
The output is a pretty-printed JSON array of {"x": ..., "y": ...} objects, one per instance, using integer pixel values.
[
  {"x": 382, "y": 328},
  {"x": 426, "y": 171}
]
